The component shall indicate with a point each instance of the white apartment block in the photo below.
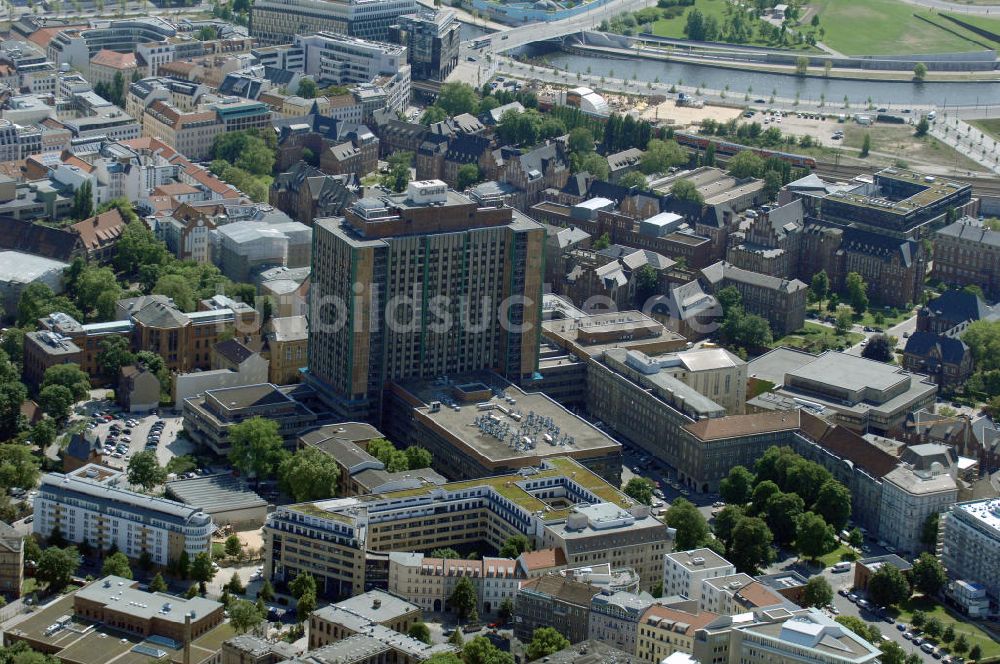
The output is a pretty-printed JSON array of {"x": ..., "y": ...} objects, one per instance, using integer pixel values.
[
  {"x": 685, "y": 571},
  {"x": 971, "y": 543},
  {"x": 333, "y": 58},
  {"x": 780, "y": 636},
  {"x": 88, "y": 505}
]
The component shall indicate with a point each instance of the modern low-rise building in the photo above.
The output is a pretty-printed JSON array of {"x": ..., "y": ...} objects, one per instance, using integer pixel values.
[
  {"x": 560, "y": 505},
  {"x": 861, "y": 394},
  {"x": 478, "y": 424},
  {"x": 90, "y": 505},
  {"x": 782, "y": 636},
  {"x": 208, "y": 417},
  {"x": 684, "y": 571}
]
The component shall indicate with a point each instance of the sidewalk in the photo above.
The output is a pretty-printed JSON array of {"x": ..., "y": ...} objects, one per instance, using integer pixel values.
[{"x": 971, "y": 142}]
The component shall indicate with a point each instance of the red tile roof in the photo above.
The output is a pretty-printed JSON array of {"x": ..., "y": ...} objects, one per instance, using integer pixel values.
[
  {"x": 542, "y": 559},
  {"x": 114, "y": 59},
  {"x": 731, "y": 426},
  {"x": 101, "y": 230}
]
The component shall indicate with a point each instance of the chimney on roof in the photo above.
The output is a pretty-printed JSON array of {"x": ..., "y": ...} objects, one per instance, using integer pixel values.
[{"x": 376, "y": 604}]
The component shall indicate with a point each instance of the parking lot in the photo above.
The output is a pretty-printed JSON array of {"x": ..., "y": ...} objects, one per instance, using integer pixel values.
[
  {"x": 125, "y": 435},
  {"x": 825, "y": 128}
]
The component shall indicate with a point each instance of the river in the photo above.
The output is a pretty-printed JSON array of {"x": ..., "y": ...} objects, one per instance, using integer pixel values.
[{"x": 764, "y": 84}]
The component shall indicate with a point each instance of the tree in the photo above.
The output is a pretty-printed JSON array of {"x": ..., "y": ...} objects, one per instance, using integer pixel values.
[
  {"x": 43, "y": 433},
  {"x": 949, "y": 633},
  {"x": 201, "y": 568},
  {"x": 463, "y": 598},
  {"x": 919, "y": 618},
  {"x": 975, "y": 654},
  {"x": 158, "y": 585},
  {"x": 309, "y": 474},
  {"x": 55, "y": 401},
  {"x": 661, "y": 155},
  {"x": 603, "y": 242},
  {"x": 97, "y": 291},
  {"x": 933, "y": 626},
  {"x": 820, "y": 286},
  {"x": 772, "y": 184},
  {"x": 888, "y": 586},
  {"x": 801, "y": 65},
  {"x": 692, "y": 530},
  {"x": 481, "y": 650},
  {"x": 929, "y": 531},
  {"x": 244, "y": 616},
  {"x": 867, "y": 632},
  {"x": 56, "y": 566},
  {"x": 544, "y": 642},
  {"x": 639, "y": 489},
  {"x": 138, "y": 247},
  {"x": 257, "y": 448},
  {"x": 117, "y": 564},
  {"x": 235, "y": 585},
  {"x": 737, "y": 487},
  {"x": 445, "y": 657},
  {"x": 892, "y": 652},
  {"x": 686, "y": 190},
  {"x": 417, "y": 457},
  {"x": 266, "y": 592},
  {"x": 399, "y": 171},
  {"x": 432, "y": 115},
  {"x": 750, "y": 545},
  {"x": 420, "y": 632},
  {"x": 746, "y": 164},
  {"x": 581, "y": 140},
  {"x": 506, "y": 610},
  {"x": 866, "y": 145},
  {"x": 923, "y": 126},
  {"x": 456, "y": 638},
  {"x": 447, "y": 553},
  {"x": 18, "y": 466},
  {"x": 145, "y": 471},
  {"x": 114, "y": 354},
  {"x": 308, "y": 88},
  {"x": 178, "y": 289},
  {"x": 634, "y": 179},
  {"x": 468, "y": 175},
  {"x": 302, "y": 584},
  {"x": 843, "y": 319},
  {"x": 782, "y": 513},
  {"x": 725, "y": 521},
  {"x": 833, "y": 503},
  {"x": 183, "y": 567},
  {"x": 919, "y": 71},
  {"x": 514, "y": 546},
  {"x": 305, "y": 605},
  {"x": 817, "y": 592},
  {"x": 879, "y": 348},
  {"x": 83, "y": 202},
  {"x": 814, "y": 537},
  {"x": 233, "y": 546},
  {"x": 590, "y": 162},
  {"x": 928, "y": 574},
  {"x": 857, "y": 292},
  {"x": 457, "y": 98},
  {"x": 68, "y": 375}
]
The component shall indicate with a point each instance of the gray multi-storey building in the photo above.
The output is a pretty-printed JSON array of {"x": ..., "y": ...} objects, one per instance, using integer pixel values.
[
  {"x": 424, "y": 284},
  {"x": 431, "y": 38},
  {"x": 278, "y": 21}
]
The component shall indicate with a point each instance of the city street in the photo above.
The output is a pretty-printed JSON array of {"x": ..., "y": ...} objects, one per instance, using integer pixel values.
[{"x": 906, "y": 327}]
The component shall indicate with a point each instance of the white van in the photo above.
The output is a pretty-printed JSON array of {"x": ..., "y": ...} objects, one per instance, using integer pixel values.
[{"x": 842, "y": 567}]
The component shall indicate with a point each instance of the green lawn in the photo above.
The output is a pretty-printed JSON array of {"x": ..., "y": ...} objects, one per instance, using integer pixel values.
[
  {"x": 674, "y": 27},
  {"x": 817, "y": 338},
  {"x": 972, "y": 633},
  {"x": 872, "y": 27},
  {"x": 990, "y": 127},
  {"x": 983, "y": 22},
  {"x": 837, "y": 555}
]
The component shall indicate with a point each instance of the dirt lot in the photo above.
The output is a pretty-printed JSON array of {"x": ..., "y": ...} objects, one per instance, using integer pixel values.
[{"x": 685, "y": 116}]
